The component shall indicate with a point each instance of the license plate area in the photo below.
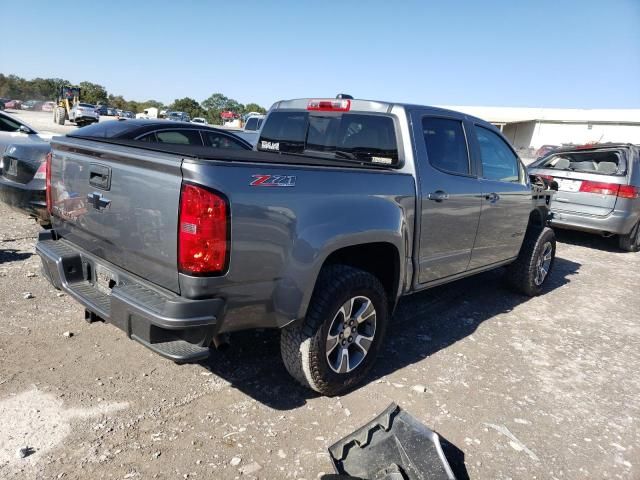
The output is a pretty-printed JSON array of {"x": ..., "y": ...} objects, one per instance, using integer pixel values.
[
  {"x": 568, "y": 185},
  {"x": 105, "y": 279}
]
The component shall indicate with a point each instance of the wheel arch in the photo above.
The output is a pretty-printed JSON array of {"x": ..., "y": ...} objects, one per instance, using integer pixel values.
[{"x": 380, "y": 258}]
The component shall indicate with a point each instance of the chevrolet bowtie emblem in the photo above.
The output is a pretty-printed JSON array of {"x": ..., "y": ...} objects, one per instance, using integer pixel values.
[{"x": 97, "y": 200}]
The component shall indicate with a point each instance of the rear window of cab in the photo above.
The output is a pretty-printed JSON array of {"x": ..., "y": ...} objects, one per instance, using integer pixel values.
[{"x": 351, "y": 136}]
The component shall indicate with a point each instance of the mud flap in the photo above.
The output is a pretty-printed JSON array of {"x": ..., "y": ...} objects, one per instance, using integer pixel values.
[{"x": 393, "y": 446}]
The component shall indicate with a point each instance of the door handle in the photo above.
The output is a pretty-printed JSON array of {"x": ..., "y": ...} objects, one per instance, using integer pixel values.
[
  {"x": 438, "y": 196},
  {"x": 100, "y": 176},
  {"x": 492, "y": 197}
]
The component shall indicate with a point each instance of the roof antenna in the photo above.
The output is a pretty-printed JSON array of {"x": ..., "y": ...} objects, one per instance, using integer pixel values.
[{"x": 344, "y": 96}]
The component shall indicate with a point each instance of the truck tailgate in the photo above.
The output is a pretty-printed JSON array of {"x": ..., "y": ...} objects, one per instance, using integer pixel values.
[{"x": 120, "y": 204}]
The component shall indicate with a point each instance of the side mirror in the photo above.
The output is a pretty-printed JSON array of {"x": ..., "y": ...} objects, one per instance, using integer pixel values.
[{"x": 24, "y": 129}]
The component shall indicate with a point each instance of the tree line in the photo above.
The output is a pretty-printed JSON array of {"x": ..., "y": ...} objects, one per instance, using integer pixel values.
[{"x": 15, "y": 87}]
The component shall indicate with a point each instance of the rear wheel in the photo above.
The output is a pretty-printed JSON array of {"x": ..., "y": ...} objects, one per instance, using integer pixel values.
[
  {"x": 535, "y": 262},
  {"x": 335, "y": 346},
  {"x": 631, "y": 241}
]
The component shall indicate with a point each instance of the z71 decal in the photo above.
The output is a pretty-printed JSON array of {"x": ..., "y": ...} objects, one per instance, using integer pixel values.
[{"x": 273, "y": 181}]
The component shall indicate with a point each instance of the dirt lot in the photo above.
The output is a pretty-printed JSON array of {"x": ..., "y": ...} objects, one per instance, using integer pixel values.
[
  {"x": 524, "y": 388},
  {"x": 42, "y": 121}
]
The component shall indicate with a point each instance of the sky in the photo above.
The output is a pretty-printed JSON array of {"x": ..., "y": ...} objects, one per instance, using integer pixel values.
[{"x": 572, "y": 54}]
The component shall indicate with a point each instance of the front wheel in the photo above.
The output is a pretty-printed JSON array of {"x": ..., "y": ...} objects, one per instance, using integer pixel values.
[
  {"x": 534, "y": 264},
  {"x": 335, "y": 346},
  {"x": 631, "y": 241}
]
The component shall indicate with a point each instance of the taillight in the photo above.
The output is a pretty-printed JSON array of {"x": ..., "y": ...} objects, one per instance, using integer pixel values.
[
  {"x": 622, "y": 191},
  {"x": 628, "y": 191},
  {"x": 41, "y": 173},
  {"x": 599, "y": 188},
  {"x": 203, "y": 231},
  {"x": 47, "y": 167},
  {"x": 331, "y": 105}
]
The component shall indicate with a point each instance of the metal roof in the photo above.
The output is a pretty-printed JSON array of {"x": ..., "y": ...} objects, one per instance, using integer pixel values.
[{"x": 568, "y": 115}]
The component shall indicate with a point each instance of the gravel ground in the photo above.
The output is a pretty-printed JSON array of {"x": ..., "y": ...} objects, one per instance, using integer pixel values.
[
  {"x": 43, "y": 121},
  {"x": 521, "y": 388}
]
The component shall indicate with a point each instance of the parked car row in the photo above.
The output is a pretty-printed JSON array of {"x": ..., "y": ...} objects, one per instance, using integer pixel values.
[
  {"x": 23, "y": 152},
  {"x": 106, "y": 111},
  {"x": 33, "y": 105}
]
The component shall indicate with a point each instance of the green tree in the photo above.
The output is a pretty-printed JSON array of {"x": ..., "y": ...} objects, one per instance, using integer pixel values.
[
  {"x": 93, "y": 93},
  {"x": 253, "y": 107},
  {"x": 218, "y": 103},
  {"x": 188, "y": 105}
]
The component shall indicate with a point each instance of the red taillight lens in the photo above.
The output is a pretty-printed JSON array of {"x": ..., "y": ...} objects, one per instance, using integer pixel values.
[
  {"x": 47, "y": 167},
  {"x": 628, "y": 191},
  {"x": 41, "y": 173},
  {"x": 335, "y": 105},
  {"x": 202, "y": 231},
  {"x": 599, "y": 188}
]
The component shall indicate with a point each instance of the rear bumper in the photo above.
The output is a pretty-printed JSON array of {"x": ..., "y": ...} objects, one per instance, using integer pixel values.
[
  {"x": 25, "y": 198},
  {"x": 618, "y": 222},
  {"x": 174, "y": 327}
]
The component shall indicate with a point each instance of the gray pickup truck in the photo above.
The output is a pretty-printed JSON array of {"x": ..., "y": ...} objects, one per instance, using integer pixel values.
[{"x": 343, "y": 207}]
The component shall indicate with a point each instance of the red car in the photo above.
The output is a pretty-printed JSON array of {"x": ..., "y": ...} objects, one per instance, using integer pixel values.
[
  {"x": 544, "y": 149},
  {"x": 13, "y": 104}
]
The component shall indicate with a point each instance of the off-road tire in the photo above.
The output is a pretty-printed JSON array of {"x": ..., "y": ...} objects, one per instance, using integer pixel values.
[
  {"x": 521, "y": 274},
  {"x": 61, "y": 115},
  {"x": 631, "y": 241},
  {"x": 303, "y": 344}
]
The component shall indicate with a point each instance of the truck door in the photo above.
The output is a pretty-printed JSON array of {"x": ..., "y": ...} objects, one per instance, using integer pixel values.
[
  {"x": 506, "y": 199},
  {"x": 450, "y": 196}
]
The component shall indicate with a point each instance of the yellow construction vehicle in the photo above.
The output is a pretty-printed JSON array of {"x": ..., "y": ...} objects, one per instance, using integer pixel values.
[{"x": 70, "y": 108}]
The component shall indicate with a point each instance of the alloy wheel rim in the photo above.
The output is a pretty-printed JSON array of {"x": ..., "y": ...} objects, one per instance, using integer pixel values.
[
  {"x": 543, "y": 263},
  {"x": 351, "y": 334}
]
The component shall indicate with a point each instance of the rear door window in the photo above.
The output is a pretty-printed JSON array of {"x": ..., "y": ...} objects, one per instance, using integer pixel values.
[
  {"x": 499, "y": 162},
  {"x": 352, "y": 136},
  {"x": 446, "y": 145},
  {"x": 8, "y": 125},
  {"x": 179, "y": 137},
  {"x": 219, "y": 140}
]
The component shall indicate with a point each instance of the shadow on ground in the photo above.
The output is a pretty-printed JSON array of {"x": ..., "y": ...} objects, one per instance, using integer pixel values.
[
  {"x": 423, "y": 324},
  {"x": 589, "y": 240},
  {"x": 11, "y": 255}
]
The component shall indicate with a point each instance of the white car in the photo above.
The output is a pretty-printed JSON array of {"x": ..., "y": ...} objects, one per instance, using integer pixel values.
[
  {"x": 83, "y": 114},
  {"x": 253, "y": 123},
  {"x": 200, "y": 120}
]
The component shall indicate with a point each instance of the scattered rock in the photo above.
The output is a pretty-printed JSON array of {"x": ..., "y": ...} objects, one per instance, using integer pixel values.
[
  {"x": 251, "y": 468},
  {"x": 419, "y": 388},
  {"x": 30, "y": 274},
  {"x": 67, "y": 334},
  {"x": 24, "y": 452},
  {"x": 60, "y": 294},
  {"x": 235, "y": 461},
  {"x": 281, "y": 454},
  {"x": 347, "y": 412},
  {"x": 156, "y": 454},
  {"x": 27, "y": 295}
]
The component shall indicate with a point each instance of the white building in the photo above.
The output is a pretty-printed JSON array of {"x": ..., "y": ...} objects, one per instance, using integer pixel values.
[{"x": 534, "y": 127}]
